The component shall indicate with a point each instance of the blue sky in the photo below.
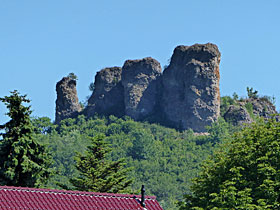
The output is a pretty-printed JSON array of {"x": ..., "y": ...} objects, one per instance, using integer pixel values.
[{"x": 42, "y": 41}]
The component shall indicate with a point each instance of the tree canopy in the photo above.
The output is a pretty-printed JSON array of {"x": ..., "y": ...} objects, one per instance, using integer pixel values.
[
  {"x": 24, "y": 162},
  {"x": 163, "y": 159},
  {"x": 98, "y": 174},
  {"x": 243, "y": 175}
]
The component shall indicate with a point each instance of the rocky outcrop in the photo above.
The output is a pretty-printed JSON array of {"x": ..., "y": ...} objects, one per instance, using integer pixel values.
[
  {"x": 190, "y": 87},
  {"x": 237, "y": 115},
  {"x": 140, "y": 86},
  {"x": 262, "y": 107},
  {"x": 185, "y": 96},
  {"x": 249, "y": 109},
  {"x": 67, "y": 102},
  {"x": 108, "y": 95}
]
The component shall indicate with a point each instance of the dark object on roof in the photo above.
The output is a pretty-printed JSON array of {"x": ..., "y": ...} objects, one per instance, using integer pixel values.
[{"x": 31, "y": 198}]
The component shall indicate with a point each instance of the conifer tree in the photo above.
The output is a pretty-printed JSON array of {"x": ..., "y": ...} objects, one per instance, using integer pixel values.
[
  {"x": 97, "y": 173},
  {"x": 24, "y": 162}
]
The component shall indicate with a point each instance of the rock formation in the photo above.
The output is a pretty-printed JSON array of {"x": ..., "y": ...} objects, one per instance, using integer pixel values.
[
  {"x": 247, "y": 110},
  {"x": 262, "y": 107},
  {"x": 185, "y": 96},
  {"x": 190, "y": 87},
  {"x": 108, "y": 95},
  {"x": 139, "y": 82},
  {"x": 67, "y": 103},
  {"x": 237, "y": 115}
]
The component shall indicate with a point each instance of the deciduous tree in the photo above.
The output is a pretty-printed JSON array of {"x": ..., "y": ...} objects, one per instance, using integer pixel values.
[{"x": 244, "y": 175}]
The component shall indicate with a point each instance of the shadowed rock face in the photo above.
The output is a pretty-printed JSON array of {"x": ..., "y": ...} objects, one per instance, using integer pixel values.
[
  {"x": 260, "y": 107},
  {"x": 108, "y": 95},
  {"x": 190, "y": 94},
  {"x": 237, "y": 115},
  {"x": 67, "y": 102},
  {"x": 140, "y": 86}
]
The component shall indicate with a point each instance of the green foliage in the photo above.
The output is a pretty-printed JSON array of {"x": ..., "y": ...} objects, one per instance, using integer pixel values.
[
  {"x": 226, "y": 101},
  {"x": 251, "y": 93},
  {"x": 115, "y": 80},
  {"x": 250, "y": 109},
  {"x": 82, "y": 104},
  {"x": 163, "y": 159},
  {"x": 97, "y": 173},
  {"x": 91, "y": 87},
  {"x": 244, "y": 174},
  {"x": 235, "y": 96},
  {"x": 42, "y": 125},
  {"x": 269, "y": 99},
  {"x": 220, "y": 130},
  {"x": 24, "y": 162},
  {"x": 73, "y": 76}
]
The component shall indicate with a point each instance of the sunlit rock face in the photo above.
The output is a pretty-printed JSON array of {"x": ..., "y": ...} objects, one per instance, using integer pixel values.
[
  {"x": 185, "y": 96},
  {"x": 67, "y": 102},
  {"x": 245, "y": 111},
  {"x": 139, "y": 79},
  {"x": 190, "y": 87}
]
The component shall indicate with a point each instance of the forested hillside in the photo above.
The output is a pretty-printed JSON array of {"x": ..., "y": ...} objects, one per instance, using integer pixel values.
[{"x": 163, "y": 159}]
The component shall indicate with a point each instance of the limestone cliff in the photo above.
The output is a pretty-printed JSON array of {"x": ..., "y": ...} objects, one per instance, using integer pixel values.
[
  {"x": 190, "y": 94},
  {"x": 67, "y": 103}
]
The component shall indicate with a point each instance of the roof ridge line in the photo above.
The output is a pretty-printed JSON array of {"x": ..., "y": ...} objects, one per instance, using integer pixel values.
[{"x": 82, "y": 193}]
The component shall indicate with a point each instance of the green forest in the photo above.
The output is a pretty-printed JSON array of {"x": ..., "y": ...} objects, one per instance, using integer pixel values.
[
  {"x": 163, "y": 159},
  {"x": 230, "y": 167}
]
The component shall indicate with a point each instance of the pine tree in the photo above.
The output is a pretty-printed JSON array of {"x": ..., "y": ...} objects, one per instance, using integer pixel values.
[
  {"x": 97, "y": 173},
  {"x": 24, "y": 162}
]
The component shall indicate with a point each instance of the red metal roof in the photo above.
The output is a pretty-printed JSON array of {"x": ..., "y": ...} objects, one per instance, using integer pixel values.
[{"x": 39, "y": 199}]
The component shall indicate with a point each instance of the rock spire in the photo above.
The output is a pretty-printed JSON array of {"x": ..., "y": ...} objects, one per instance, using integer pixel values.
[
  {"x": 67, "y": 102},
  {"x": 191, "y": 94},
  {"x": 140, "y": 90}
]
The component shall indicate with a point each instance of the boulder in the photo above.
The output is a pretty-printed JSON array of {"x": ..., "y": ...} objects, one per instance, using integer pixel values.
[{"x": 237, "y": 115}]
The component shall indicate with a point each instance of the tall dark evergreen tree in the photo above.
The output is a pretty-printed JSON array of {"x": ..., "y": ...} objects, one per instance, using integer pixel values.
[
  {"x": 99, "y": 174},
  {"x": 24, "y": 162}
]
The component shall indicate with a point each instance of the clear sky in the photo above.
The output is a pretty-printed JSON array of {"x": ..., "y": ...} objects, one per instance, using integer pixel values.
[{"x": 42, "y": 41}]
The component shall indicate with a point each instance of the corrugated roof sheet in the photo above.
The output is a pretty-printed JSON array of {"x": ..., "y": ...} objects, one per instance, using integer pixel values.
[{"x": 39, "y": 199}]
